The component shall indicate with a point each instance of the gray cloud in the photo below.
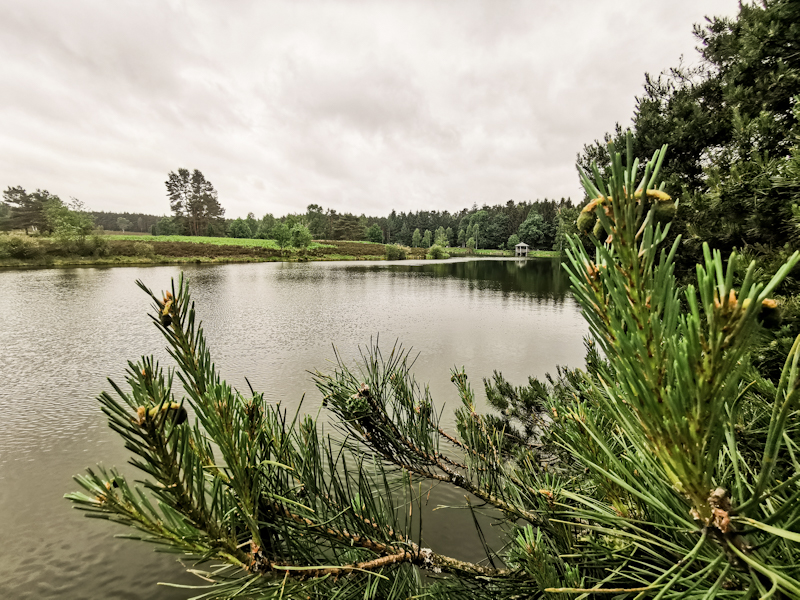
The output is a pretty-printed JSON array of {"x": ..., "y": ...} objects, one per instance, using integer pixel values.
[{"x": 358, "y": 106}]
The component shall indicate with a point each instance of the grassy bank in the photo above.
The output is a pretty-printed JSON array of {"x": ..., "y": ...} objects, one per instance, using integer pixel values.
[{"x": 19, "y": 251}]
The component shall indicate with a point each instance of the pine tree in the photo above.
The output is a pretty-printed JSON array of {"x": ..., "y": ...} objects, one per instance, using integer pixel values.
[
  {"x": 28, "y": 211},
  {"x": 194, "y": 201},
  {"x": 667, "y": 469}
]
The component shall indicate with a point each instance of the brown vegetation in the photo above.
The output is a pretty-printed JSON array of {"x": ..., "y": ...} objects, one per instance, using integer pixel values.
[{"x": 189, "y": 249}]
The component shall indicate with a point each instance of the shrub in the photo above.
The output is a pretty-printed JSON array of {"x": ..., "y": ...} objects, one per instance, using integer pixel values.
[
  {"x": 394, "y": 252},
  {"x": 13, "y": 246},
  {"x": 437, "y": 252},
  {"x": 97, "y": 245},
  {"x": 144, "y": 249}
]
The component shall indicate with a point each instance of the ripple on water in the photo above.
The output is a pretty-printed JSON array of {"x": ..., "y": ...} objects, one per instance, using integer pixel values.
[{"x": 64, "y": 331}]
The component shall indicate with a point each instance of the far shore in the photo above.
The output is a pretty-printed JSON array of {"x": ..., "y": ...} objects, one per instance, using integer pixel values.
[{"x": 143, "y": 250}]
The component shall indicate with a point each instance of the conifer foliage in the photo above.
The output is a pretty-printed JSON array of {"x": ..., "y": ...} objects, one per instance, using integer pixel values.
[{"x": 666, "y": 469}]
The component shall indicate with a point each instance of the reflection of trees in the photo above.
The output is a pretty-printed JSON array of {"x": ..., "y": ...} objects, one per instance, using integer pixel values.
[{"x": 540, "y": 278}]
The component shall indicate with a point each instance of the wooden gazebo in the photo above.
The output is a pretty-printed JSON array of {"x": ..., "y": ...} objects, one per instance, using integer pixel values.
[{"x": 521, "y": 249}]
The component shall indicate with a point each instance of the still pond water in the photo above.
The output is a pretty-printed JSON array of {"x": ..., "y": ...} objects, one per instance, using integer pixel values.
[{"x": 63, "y": 331}]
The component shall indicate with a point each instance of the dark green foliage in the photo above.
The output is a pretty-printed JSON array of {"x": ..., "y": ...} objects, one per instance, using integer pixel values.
[
  {"x": 265, "y": 226},
  {"x": 19, "y": 247},
  {"x": 167, "y": 226},
  {"x": 346, "y": 227},
  {"x": 394, "y": 252},
  {"x": 301, "y": 236},
  {"x": 440, "y": 237},
  {"x": 532, "y": 230},
  {"x": 731, "y": 124},
  {"x": 252, "y": 224},
  {"x": 282, "y": 235},
  {"x": 375, "y": 234},
  {"x": 495, "y": 224},
  {"x": 404, "y": 236},
  {"x": 239, "y": 228},
  {"x": 28, "y": 211},
  {"x": 566, "y": 226},
  {"x": 426, "y": 239},
  {"x": 193, "y": 200},
  {"x": 317, "y": 221},
  {"x": 140, "y": 222}
]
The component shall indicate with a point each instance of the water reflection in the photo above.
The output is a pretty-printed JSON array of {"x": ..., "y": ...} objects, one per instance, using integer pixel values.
[
  {"x": 64, "y": 331},
  {"x": 535, "y": 277}
]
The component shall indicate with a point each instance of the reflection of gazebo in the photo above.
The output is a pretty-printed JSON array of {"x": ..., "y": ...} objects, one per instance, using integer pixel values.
[{"x": 521, "y": 249}]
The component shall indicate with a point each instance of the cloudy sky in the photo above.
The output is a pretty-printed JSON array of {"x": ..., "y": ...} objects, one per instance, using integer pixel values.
[{"x": 356, "y": 105}]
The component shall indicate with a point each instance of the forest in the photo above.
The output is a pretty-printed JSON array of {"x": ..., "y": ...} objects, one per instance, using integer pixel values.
[{"x": 542, "y": 224}]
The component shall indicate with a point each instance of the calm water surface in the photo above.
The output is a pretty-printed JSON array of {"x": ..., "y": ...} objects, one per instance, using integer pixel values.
[{"x": 63, "y": 331}]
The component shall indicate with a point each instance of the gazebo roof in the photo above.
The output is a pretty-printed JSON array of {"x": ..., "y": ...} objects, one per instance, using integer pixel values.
[{"x": 522, "y": 244}]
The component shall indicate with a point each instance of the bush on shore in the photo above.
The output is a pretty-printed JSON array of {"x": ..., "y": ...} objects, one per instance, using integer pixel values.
[
  {"x": 394, "y": 252},
  {"x": 436, "y": 252}
]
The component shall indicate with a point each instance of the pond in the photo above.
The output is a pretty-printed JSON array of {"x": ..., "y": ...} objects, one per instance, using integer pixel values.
[{"x": 63, "y": 331}]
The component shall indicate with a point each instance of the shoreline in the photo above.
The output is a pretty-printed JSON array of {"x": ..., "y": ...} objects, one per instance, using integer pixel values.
[{"x": 15, "y": 264}]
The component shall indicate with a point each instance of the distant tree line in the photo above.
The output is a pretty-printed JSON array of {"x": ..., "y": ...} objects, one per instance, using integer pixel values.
[
  {"x": 138, "y": 222},
  {"x": 540, "y": 224},
  {"x": 196, "y": 211}
]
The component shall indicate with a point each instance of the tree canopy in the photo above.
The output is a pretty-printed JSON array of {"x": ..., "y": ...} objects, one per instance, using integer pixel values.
[
  {"x": 28, "y": 210},
  {"x": 731, "y": 123},
  {"x": 193, "y": 201}
]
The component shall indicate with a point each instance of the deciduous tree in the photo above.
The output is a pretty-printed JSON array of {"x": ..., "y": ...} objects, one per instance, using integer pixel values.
[
  {"x": 68, "y": 222},
  {"x": 239, "y": 228},
  {"x": 282, "y": 235},
  {"x": 532, "y": 229},
  {"x": 301, "y": 236},
  {"x": 375, "y": 233},
  {"x": 123, "y": 224},
  {"x": 426, "y": 239}
]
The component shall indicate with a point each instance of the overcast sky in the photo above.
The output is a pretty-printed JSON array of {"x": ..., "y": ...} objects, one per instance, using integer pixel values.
[{"x": 356, "y": 105}]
